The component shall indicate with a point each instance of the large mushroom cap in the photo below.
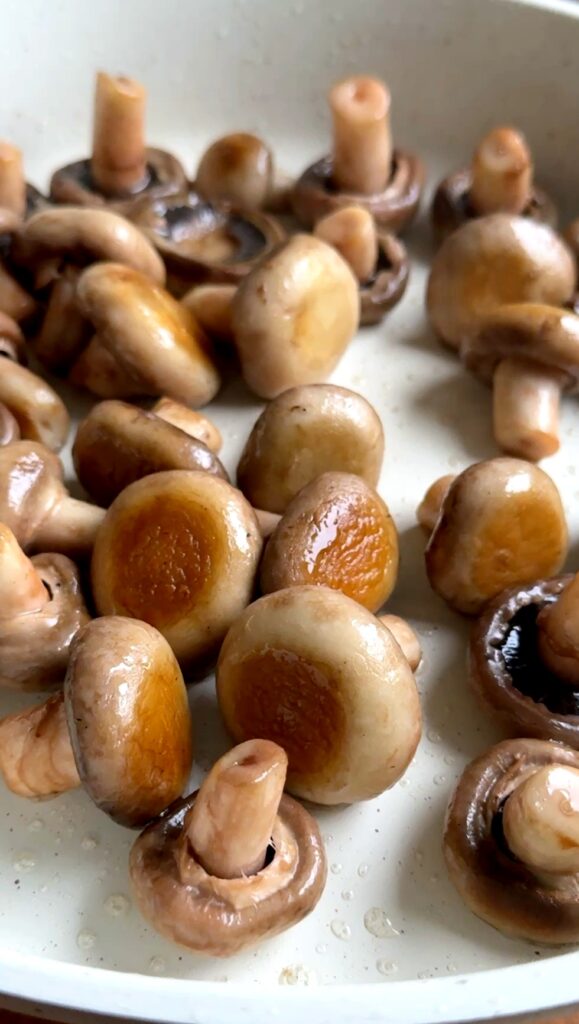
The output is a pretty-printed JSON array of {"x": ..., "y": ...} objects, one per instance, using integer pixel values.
[
  {"x": 74, "y": 183},
  {"x": 128, "y": 718}
]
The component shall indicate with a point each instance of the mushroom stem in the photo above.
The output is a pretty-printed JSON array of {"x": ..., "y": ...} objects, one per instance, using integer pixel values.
[
  {"x": 12, "y": 183},
  {"x": 231, "y": 822},
  {"x": 430, "y": 507},
  {"x": 502, "y": 173},
  {"x": 21, "y": 588},
  {"x": 64, "y": 330},
  {"x": 541, "y": 820},
  {"x": 405, "y": 637},
  {"x": 267, "y": 521},
  {"x": 352, "y": 231},
  {"x": 9, "y": 429},
  {"x": 526, "y": 398},
  {"x": 558, "y": 634},
  {"x": 362, "y": 143},
  {"x": 70, "y": 527},
  {"x": 36, "y": 757},
  {"x": 118, "y": 165}
]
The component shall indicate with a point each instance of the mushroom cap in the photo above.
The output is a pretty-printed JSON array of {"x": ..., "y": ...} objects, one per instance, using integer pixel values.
[
  {"x": 301, "y": 434},
  {"x": 40, "y": 413},
  {"x": 294, "y": 315},
  {"x": 492, "y": 882},
  {"x": 129, "y": 719},
  {"x": 194, "y": 423},
  {"x": 238, "y": 169},
  {"x": 119, "y": 443},
  {"x": 502, "y": 523},
  {"x": 9, "y": 429},
  {"x": 389, "y": 281},
  {"x": 73, "y": 183},
  {"x": 98, "y": 371},
  {"x": 492, "y": 261},
  {"x": 153, "y": 338},
  {"x": 34, "y": 647},
  {"x": 313, "y": 671},
  {"x": 337, "y": 532},
  {"x": 218, "y": 916},
  {"x": 179, "y": 550},
  {"x": 30, "y": 485}
]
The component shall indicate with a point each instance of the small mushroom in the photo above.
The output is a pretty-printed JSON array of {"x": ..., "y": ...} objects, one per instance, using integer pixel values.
[
  {"x": 192, "y": 422},
  {"x": 121, "y": 727},
  {"x": 500, "y": 180},
  {"x": 501, "y": 523},
  {"x": 405, "y": 637},
  {"x": 212, "y": 306},
  {"x": 304, "y": 432},
  {"x": 9, "y": 429},
  {"x": 41, "y": 611},
  {"x": 431, "y": 505},
  {"x": 121, "y": 169},
  {"x": 118, "y": 443},
  {"x": 40, "y": 413},
  {"x": 36, "y": 506},
  {"x": 236, "y": 169},
  {"x": 364, "y": 169},
  {"x": 294, "y": 315},
  {"x": 180, "y": 550},
  {"x": 16, "y": 195},
  {"x": 314, "y": 671},
  {"x": 338, "y": 533},
  {"x": 511, "y": 840},
  {"x": 234, "y": 863},
  {"x": 377, "y": 258},
  {"x": 493, "y": 261}
]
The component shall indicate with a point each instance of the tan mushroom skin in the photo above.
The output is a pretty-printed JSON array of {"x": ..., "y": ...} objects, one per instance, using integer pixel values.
[{"x": 40, "y": 413}]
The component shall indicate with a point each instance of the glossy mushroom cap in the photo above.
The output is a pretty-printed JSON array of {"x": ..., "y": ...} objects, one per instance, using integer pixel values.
[
  {"x": 9, "y": 429},
  {"x": 406, "y": 638},
  {"x": 39, "y": 412},
  {"x": 193, "y": 423},
  {"x": 236, "y": 169},
  {"x": 212, "y": 307}
]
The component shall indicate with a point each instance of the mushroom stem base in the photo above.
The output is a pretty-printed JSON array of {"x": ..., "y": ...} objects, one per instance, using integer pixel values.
[
  {"x": 526, "y": 399},
  {"x": 70, "y": 528}
]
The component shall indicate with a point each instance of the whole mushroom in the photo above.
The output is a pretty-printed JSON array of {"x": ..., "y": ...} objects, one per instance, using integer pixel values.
[
  {"x": 236, "y": 169},
  {"x": 192, "y": 422},
  {"x": 234, "y": 863},
  {"x": 39, "y": 412},
  {"x": 430, "y": 507},
  {"x": 405, "y": 637},
  {"x": 212, "y": 306}
]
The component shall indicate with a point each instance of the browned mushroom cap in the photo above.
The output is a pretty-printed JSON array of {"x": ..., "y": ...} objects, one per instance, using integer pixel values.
[
  {"x": 304, "y": 432},
  {"x": 12, "y": 344},
  {"x": 9, "y": 429},
  {"x": 406, "y": 638},
  {"x": 36, "y": 758},
  {"x": 64, "y": 331},
  {"x": 212, "y": 306},
  {"x": 501, "y": 523},
  {"x": 194, "y": 423},
  {"x": 492, "y": 261},
  {"x": 118, "y": 443},
  {"x": 195, "y": 874},
  {"x": 236, "y": 169},
  {"x": 338, "y": 533},
  {"x": 430, "y": 507},
  {"x": 40, "y": 413},
  {"x": 179, "y": 550},
  {"x": 96, "y": 370},
  {"x": 498, "y": 885}
]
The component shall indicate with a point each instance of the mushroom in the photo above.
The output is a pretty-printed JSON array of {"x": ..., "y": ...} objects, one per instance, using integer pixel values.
[
  {"x": 121, "y": 169},
  {"x": 338, "y": 533},
  {"x": 15, "y": 301},
  {"x": 191, "y": 421},
  {"x": 500, "y": 180},
  {"x": 530, "y": 354},
  {"x": 501, "y": 523},
  {"x": 180, "y": 550},
  {"x": 41, "y": 611},
  {"x": 493, "y": 261},
  {"x": 9, "y": 429},
  {"x": 234, "y": 863},
  {"x": 12, "y": 343},
  {"x": 39, "y": 412},
  {"x": 16, "y": 195},
  {"x": 36, "y": 506},
  {"x": 511, "y": 840},
  {"x": 236, "y": 169},
  {"x": 212, "y": 306},
  {"x": 294, "y": 315},
  {"x": 304, "y": 432},
  {"x": 405, "y": 637},
  {"x": 118, "y": 443},
  {"x": 314, "y": 671},
  {"x": 378, "y": 259},
  {"x": 267, "y": 522},
  {"x": 364, "y": 169},
  {"x": 64, "y": 332},
  {"x": 431, "y": 505},
  {"x": 96, "y": 370},
  {"x": 121, "y": 727}
]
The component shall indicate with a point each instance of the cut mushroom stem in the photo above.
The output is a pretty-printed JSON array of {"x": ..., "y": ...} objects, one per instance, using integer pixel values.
[
  {"x": 352, "y": 231},
  {"x": 362, "y": 142},
  {"x": 526, "y": 397},
  {"x": 70, "y": 526},
  {"x": 430, "y": 507},
  {"x": 232, "y": 820},
  {"x": 405, "y": 637},
  {"x": 21, "y": 588},
  {"x": 502, "y": 173},
  {"x": 541, "y": 820},
  {"x": 558, "y": 634},
  {"x": 36, "y": 756},
  {"x": 118, "y": 164},
  {"x": 12, "y": 183},
  {"x": 267, "y": 521}
]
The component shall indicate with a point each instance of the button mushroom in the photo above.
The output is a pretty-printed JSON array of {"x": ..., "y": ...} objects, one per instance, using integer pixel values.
[
  {"x": 511, "y": 840},
  {"x": 234, "y": 863},
  {"x": 499, "y": 180},
  {"x": 39, "y": 412},
  {"x": 304, "y": 432},
  {"x": 121, "y": 727},
  {"x": 312, "y": 670},
  {"x": 430, "y": 507},
  {"x": 493, "y": 261},
  {"x": 501, "y": 523},
  {"x": 337, "y": 532},
  {"x": 212, "y": 306},
  {"x": 192, "y": 422},
  {"x": 405, "y": 637},
  {"x": 236, "y": 169},
  {"x": 363, "y": 169},
  {"x": 294, "y": 315},
  {"x": 96, "y": 370},
  {"x": 180, "y": 550}
]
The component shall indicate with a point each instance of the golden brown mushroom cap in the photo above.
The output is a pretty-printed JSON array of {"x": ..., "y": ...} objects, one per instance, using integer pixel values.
[{"x": 40, "y": 413}]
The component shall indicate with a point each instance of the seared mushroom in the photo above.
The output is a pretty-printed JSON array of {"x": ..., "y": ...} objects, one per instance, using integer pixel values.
[
  {"x": 16, "y": 195},
  {"x": 511, "y": 840},
  {"x": 338, "y": 533},
  {"x": 431, "y": 505},
  {"x": 121, "y": 727},
  {"x": 500, "y": 180},
  {"x": 121, "y": 169},
  {"x": 96, "y": 370},
  {"x": 36, "y": 506},
  {"x": 405, "y": 637},
  {"x": 501, "y": 523},
  {"x": 304, "y": 432},
  {"x": 118, "y": 443},
  {"x": 492, "y": 261},
  {"x": 312, "y": 670},
  {"x": 234, "y": 863},
  {"x": 41, "y": 611},
  {"x": 180, "y": 550},
  {"x": 40, "y": 413},
  {"x": 294, "y": 315},
  {"x": 64, "y": 332},
  {"x": 192, "y": 422},
  {"x": 377, "y": 258},
  {"x": 212, "y": 306},
  {"x": 364, "y": 169},
  {"x": 236, "y": 169}
]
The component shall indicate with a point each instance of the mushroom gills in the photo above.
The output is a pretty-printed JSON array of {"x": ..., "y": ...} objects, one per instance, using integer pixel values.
[{"x": 530, "y": 676}]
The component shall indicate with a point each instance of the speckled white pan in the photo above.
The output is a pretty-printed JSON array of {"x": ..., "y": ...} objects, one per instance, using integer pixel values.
[{"x": 390, "y": 940}]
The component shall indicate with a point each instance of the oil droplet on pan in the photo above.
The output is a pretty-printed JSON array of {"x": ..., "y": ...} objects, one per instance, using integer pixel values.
[
  {"x": 387, "y": 967},
  {"x": 379, "y": 924},
  {"x": 117, "y": 904},
  {"x": 341, "y": 930},
  {"x": 297, "y": 974},
  {"x": 85, "y": 939},
  {"x": 157, "y": 965}
]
